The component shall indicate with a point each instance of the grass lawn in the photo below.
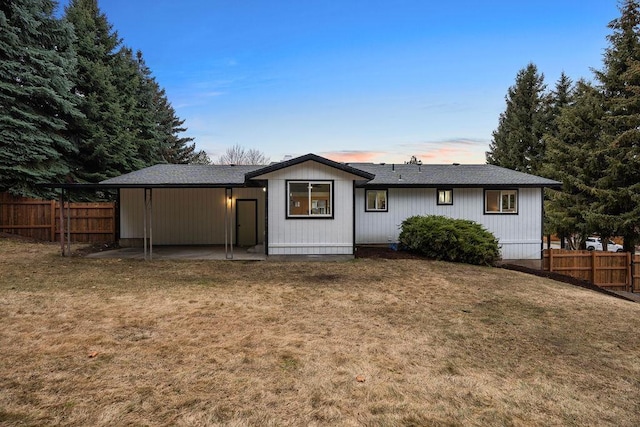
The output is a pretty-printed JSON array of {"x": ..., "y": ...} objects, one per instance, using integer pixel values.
[{"x": 367, "y": 342}]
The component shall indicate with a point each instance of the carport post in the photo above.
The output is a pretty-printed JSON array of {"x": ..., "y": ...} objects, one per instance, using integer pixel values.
[
  {"x": 144, "y": 223},
  {"x": 228, "y": 223},
  {"x": 62, "y": 251},
  {"x": 151, "y": 223},
  {"x": 148, "y": 205},
  {"x": 68, "y": 226}
]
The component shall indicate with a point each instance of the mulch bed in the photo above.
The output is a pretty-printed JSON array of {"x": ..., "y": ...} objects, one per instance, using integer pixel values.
[
  {"x": 564, "y": 279},
  {"x": 383, "y": 252}
]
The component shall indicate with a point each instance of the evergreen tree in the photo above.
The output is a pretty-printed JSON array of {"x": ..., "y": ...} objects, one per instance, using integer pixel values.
[
  {"x": 619, "y": 205},
  {"x": 36, "y": 58},
  {"x": 106, "y": 147},
  {"x": 165, "y": 126},
  {"x": 575, "y": 156},
  {"x": 555, "y": 220},
  {"x": 518, "y": 141}
]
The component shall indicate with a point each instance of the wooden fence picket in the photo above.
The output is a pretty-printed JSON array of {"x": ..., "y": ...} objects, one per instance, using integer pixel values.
[
  {"x": 39, "y": 219},
  {"x": 618, "y": 271}
]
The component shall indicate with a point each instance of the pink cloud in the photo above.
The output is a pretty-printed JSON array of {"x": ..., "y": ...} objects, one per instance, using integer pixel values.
[{"x": 351, "y": 156}]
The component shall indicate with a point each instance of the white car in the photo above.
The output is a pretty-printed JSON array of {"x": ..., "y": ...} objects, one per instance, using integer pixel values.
[{"x": 595, "y": 244}]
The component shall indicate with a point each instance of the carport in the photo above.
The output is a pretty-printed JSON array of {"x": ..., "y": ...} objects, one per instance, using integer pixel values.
[{"x": 181, "y": 206}]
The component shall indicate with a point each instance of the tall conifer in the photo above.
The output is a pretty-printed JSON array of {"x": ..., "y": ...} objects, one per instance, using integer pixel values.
[
  {"x": 518, "y": 141},
  {"x": 36, "y": 60},
  {"x": 106, "y": 147},
  {"x": 619, "y": 203}
]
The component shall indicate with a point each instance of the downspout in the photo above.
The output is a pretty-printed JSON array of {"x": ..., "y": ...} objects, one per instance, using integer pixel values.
[{"x": 353, "y": 218}]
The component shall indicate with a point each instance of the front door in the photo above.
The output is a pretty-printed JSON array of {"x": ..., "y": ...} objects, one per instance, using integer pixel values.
[{"x": 246, "y": 222}]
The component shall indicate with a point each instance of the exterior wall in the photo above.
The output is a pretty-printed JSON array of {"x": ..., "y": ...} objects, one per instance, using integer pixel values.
[
  {"x": 183, "y": 216},
  {"x": 302, "y": 236},
  {"x": 520, "y": 235}
]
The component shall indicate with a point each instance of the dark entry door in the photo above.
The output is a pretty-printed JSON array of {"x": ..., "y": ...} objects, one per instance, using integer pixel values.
[{"x": 246, "y": 222}]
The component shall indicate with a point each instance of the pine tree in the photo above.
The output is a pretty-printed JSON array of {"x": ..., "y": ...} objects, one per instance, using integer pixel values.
[
  {"x": 36, "y": 59},
  {"x": 619, "y": 205},
  {"x": 518, "y": 141}
]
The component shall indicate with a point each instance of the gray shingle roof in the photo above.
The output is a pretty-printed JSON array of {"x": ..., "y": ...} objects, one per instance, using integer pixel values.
[
  {"x": 449, "y": 175},
  {"x": 184, "y": 175},
  {"x": 390, "y": 175}
]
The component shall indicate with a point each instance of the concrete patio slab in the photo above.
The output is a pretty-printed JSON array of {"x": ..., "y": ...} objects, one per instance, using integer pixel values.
[{"x": 182, "y": 252}]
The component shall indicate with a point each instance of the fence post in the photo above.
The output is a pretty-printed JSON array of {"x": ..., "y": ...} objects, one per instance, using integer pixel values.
[
  {"x": 593, "y": 267},
  {"x": 550, "y": 260}
]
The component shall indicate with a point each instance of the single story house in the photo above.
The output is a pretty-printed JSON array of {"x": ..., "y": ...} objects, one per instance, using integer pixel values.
[{"x": 311, "y": 205}]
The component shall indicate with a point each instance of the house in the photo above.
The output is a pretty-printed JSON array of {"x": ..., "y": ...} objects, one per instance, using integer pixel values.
[{"x": 311, "y": 205}]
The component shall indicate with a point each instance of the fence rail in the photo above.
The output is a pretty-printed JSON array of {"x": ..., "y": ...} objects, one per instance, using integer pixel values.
[
  {"x": 39, "y": 219},
  {"x": 609, "y": 270}
]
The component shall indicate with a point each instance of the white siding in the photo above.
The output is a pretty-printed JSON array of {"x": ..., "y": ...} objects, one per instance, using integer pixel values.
[
  {"x": 184, "y": 216},
  {"x": 520, "y": 235},
  {"x": 302, "y": 236}
]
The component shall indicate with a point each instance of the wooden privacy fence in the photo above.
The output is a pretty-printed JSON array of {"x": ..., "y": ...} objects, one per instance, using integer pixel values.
[
  {"x": 616, "y": 271},
  {"x": 39, "y": 219}
]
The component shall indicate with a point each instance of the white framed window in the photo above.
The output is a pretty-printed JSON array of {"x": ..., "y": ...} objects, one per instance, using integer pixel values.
[
  {"x": 376, "y": 201},
  {"x": 501, "y": 201},
  {"x": 445, "y": 197},
  {"x": 310, "y": 199}
]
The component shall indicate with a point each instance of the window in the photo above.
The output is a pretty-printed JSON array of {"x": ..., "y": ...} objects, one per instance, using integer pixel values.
[
  {"x": 310, "y": 199},
  {"x": 445, "y": 197},
  {"x": 376, "y": 201},
  {"x": 501, "y": 201}
]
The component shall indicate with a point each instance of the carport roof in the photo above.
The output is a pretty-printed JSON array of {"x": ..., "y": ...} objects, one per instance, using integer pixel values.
[{"x": 169, "y": 175}]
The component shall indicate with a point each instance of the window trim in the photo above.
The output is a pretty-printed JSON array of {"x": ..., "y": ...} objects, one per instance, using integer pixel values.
[
  {"x": 366, "y": 199},
  {"x": 502, "y": 192},
  {"x": 438, "y": 190},
  {"x": 331, "y": 184}
]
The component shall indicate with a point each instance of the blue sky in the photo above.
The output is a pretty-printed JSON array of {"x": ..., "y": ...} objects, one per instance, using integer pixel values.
[{"x": 374, "y": 81}]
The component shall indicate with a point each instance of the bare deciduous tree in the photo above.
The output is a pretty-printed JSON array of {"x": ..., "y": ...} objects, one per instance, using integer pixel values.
[{"x": 238, "y": 155}]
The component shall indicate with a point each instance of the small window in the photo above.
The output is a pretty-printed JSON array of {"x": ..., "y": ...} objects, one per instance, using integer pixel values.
[
  {"x": 445, "y": 197},
  {"x": 310, "y": 199},
  {"x": 501, "y": 201},
  {"x": 376, "y": 201}
]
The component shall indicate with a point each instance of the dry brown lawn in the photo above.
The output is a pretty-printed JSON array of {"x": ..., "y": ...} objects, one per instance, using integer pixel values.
[{"x": 366, "y": 342}]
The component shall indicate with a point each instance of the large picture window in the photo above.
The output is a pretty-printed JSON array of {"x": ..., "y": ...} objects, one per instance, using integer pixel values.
[
  {"x": 310, "y": 199},
  {"x": 501, "y": 201},
  {"x": 376, "y": 201}
]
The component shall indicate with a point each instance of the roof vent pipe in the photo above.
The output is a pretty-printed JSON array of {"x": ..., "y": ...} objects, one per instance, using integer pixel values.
[{"x": 393, "y": 166}]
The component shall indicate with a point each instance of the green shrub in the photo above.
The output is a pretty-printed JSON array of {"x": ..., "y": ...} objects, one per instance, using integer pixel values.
[{"x": 448, "y": 239}]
